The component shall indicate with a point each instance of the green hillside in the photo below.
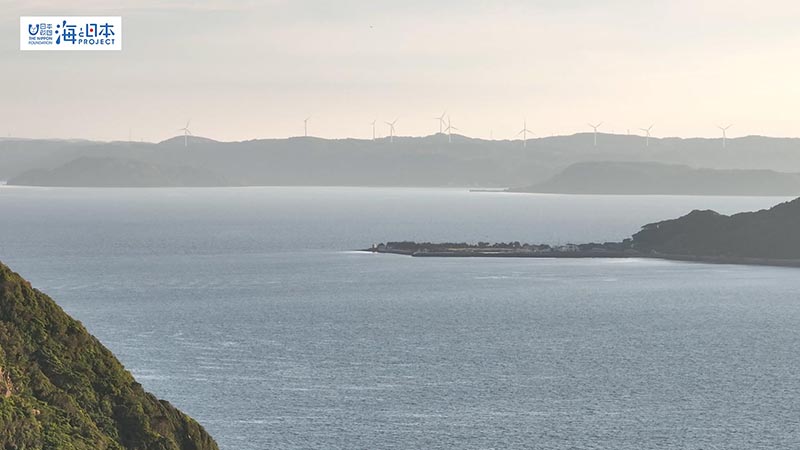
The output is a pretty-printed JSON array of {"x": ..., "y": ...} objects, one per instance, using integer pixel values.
[{"x": 60, "y": 388}]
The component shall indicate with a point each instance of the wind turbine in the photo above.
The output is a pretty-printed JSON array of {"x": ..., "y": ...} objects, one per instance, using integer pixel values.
[
  {"x": 724, "y": 135},
  {"x": 441, "y": 121},
  {"x": 305, "y": 126},
  {"x": 647, "y": 130},
  {"x": 186, "y": 133},
  {"x": 595, "y": 127},
  {"x": 450, "y": 128},
  {"x": 373, "y": 129},
  {"x": 391, "y": 130},
  {"x": 524, "y": 133}
]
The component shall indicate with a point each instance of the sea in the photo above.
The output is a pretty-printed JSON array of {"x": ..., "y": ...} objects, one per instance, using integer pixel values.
[{"x": 252, "y": 310}]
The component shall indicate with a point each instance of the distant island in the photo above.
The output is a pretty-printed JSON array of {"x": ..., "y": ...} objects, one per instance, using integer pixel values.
[
  {"x": 437, "y": 160},
  {"x": 649, "y": 178},
  {"x": 766, "y": 237},
  {"x": 62, "y": 389},
  {"x": 117, "y": 172}
]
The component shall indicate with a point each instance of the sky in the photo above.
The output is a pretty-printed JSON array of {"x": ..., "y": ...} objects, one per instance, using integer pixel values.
[{"x": 255, "y": 69}]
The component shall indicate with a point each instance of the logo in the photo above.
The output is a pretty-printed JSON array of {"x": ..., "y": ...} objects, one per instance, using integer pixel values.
[{"x": 70, "y": 33}]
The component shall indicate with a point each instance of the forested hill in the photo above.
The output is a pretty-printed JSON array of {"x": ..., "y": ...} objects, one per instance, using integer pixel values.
[
  {"x": 771, "y": 234},
  {"x": 61, "y": 389}
]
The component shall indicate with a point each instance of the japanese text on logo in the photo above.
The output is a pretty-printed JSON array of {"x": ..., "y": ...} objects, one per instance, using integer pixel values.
[{"x": 70, "y": 33}]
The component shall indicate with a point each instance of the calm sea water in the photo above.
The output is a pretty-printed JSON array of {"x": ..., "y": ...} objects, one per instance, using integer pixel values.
[{"x": 247, "y": 309}]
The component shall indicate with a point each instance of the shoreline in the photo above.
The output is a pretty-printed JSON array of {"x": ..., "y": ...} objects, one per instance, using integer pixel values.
[{"x": 723, "y": 260}]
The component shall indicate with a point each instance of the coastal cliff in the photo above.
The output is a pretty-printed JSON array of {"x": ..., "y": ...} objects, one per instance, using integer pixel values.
[{"x": 60, "y": 388}]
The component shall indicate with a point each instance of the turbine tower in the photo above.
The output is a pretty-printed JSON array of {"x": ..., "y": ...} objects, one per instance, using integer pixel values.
[
  {"x": 373, "y": 129},
  {"x": 186, "y": 133},
  {"x": 647, "y": 131},
  {"x": 391, "y": 130},
  {"x": 595, "y": 127},
  {"x": 724, "y": 135},
  {"x": 524, "y": 132},
  {"x": 441, "y": 121},
  {"x": 450, "y": 128},
  {"x": 305, "y": 126}
]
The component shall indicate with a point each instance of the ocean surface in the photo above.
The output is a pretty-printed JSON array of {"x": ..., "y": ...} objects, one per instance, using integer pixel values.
[{"x": 248, "y": 309}]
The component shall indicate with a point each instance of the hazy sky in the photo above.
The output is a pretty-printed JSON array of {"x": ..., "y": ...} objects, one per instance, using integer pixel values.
[{"x": 246, "y": 69}]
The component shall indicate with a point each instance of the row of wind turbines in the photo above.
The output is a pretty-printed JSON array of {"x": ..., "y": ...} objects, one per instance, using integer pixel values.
[{"x": 446, "y": 127}]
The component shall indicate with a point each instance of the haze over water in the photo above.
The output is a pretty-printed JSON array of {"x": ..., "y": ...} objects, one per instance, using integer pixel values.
[{"x": 247, "y": 309}]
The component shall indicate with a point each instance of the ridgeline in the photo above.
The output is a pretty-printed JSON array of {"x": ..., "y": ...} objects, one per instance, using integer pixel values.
[{"x": 428, "y": 161}]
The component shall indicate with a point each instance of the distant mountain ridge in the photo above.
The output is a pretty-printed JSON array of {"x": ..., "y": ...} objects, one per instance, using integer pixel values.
[
  {"x": 409, "y": 161},
  {"x": 612, "y": 178},
  {"x": 117, "y": 172},
  {"x": 62, "y": 389}
]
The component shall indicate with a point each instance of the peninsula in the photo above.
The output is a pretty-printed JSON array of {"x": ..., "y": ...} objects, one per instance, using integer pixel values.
[
  {"x": 766, "y": 237},
  {"x": 651, "y": 178}
]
